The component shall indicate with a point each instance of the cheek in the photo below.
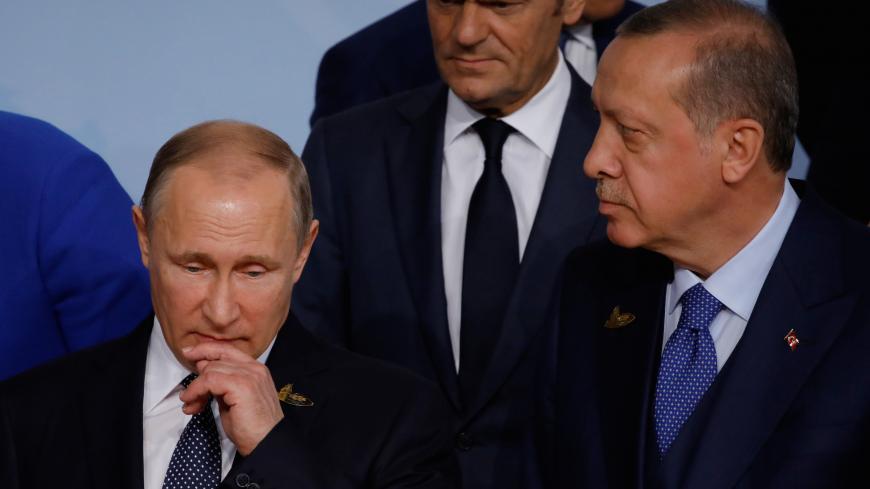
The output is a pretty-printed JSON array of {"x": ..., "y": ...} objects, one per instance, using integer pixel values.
[
  {"x": 264, "y": 301},
  {"x": 178, "y": 294}
]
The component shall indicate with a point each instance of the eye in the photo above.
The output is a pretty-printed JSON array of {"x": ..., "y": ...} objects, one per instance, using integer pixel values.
[
  {"x": 499, "y": 5},
  {"x": 255, "y": 273},
  {"x": 625, "y": 130},
  {"x": 192, "y": 268}
]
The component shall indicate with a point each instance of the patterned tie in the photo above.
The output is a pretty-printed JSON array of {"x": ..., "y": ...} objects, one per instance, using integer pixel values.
[
  {"x": 688, "y": 365},
  {"x": 490, "y": 263},
  {"x": 196, "y": 460}
]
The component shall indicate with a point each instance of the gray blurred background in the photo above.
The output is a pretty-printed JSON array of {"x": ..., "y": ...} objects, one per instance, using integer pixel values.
[{"x": 123, "y": 76}]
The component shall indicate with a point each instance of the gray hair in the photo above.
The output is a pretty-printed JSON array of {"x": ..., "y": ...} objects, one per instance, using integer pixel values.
[{"x": 743, "y": 68}]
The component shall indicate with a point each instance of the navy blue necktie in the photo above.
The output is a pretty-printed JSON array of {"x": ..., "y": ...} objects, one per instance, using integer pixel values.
[
  {"x": 196, "y": 460},
  {"x": 491, "y": 260},
  {"x": 688, "y": 365}
]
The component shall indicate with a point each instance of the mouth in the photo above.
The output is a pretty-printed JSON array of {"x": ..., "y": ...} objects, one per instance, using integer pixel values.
[
  {"x": 204, "y": 338},
  {"x": 471, "y": 63},
  {"x": 608, "y": 195}
]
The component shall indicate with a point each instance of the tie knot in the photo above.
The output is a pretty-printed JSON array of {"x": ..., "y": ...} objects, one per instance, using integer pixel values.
[
  {"x": 699, "y": 307},
  {"x": 493, "y": 133},
  {"x": 187, "y": 380}
]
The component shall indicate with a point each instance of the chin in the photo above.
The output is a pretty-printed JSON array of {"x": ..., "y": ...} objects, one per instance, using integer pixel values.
[{"x": 620, "y": 235}]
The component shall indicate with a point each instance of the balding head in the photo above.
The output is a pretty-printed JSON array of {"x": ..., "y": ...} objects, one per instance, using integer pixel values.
[{"x": 257, "y": 149}]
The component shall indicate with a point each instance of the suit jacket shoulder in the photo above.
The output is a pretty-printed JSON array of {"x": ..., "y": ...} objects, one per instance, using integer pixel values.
[
  {"x": 390, "y": 56},
  {"x": 81, "y": 415}
]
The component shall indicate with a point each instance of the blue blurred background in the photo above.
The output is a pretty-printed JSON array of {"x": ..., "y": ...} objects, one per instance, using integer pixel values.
[{"x": 123, "y": 76}]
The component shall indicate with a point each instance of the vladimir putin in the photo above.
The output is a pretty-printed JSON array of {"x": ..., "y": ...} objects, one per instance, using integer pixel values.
[{"x": 191, "y": 398}]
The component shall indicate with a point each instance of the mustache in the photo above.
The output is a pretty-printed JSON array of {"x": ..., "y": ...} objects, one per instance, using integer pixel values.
[{"x": 608, "y": 192}]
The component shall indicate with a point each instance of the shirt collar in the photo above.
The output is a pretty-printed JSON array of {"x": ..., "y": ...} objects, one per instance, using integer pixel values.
[
  {"x": 582, "y": 33},
  {"x": 539, "y": 120},
  {"x": 738, "y": 282},
  {"x": 164, "y": 373}
]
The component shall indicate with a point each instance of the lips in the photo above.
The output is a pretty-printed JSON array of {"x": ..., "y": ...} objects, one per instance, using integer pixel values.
[
  {"x": 471, "y": 64},
  {"x": 204, "y": 338}
]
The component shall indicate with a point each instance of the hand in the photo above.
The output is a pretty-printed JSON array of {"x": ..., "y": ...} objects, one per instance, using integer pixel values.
[{"x": 243, "y": 387}]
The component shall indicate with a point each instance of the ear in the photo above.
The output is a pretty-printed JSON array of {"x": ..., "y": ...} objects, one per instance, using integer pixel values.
[
  {"x": 142, "y": 235},
  {"x": 572, "y": 11},
  {"x": 744, "y": 141},
  {"x": 302, "y": 258}
]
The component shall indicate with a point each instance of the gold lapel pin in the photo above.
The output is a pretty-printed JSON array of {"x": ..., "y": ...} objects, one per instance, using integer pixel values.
[
  {"x": 287, "y": 395},
  {"x": 619, "y": 319},
  {"x": 792, "y": 340}
]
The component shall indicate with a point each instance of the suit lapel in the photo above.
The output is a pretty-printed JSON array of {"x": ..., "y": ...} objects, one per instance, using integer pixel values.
[
  {"x": 625, "y": 358},
  {"x": 566, "y": 217},
  {"x": 804, "y": 291},
  {"x": 113, "y": 432},
  {"x": 414, "y": 158}
]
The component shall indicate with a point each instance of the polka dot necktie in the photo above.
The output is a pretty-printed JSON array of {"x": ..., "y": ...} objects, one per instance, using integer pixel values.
[
  {"x": 688, "y": 365},
  {"x": 196, "y": 460}
]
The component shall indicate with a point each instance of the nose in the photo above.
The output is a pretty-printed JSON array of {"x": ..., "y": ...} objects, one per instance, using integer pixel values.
[
  {"x": 602, "y": 161},
  {"x": 471, "y": 27},
  {"x": 220, "y": 307}
]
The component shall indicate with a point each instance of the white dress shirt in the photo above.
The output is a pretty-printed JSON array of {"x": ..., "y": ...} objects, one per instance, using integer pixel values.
[
  {"x": 526, "y": 159},
  {"x": 737, "y": 283},
  {"x": 581, "y": 52},
  {"x": 162, "y": 417}
]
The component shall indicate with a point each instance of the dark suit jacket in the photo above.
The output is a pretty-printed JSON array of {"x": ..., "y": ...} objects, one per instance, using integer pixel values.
[
  {"x": 374, "y": 281},
  {"x": 78, "y": 422},
  {"x": 394, "y": 55},
  {"x": 772, "y": 418},
  {"x": 72, "y": 276},
  {"x": 828, "y": 47}
]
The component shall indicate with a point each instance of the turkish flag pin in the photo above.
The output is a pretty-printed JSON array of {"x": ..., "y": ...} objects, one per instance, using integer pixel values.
[{"x": 792, "y": 340}]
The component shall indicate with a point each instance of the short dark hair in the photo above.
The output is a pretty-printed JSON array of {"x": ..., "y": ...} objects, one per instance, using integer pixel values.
[
  {"x": 200, "y": 139},
  {"x": 743, "y": 68}
]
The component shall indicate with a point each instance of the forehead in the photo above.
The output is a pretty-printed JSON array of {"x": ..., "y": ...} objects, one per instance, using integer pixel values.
[
  {"x": 225, "y": 193},
  {"x": 639, "y": 70}
]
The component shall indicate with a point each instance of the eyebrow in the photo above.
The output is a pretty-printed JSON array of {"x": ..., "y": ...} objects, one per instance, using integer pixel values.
[
  {"x": 194, "y": 256},
  {"x": 264, "y": 260},
  {"x": 200, "y": 257}
]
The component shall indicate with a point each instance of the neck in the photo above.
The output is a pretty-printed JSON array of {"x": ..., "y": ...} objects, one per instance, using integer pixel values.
[{"x": 719, "y": 237}]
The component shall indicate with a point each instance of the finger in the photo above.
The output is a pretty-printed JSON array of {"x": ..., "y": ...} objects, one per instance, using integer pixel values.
[
  {"x": 204, "y": 386},
  {"x": 215, "y": 351}
]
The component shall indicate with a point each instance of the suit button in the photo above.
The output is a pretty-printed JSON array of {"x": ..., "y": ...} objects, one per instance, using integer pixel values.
[
  {"x": 253, "y": 485},
  {"x": 464, "y": 442},
  {"x": 242, "y": 480}
]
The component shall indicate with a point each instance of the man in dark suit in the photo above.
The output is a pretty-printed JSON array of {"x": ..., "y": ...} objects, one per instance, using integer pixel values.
[
  {"x": 72, "y": 276},
  {"x": 394, "y": 54},
  {"x": 432, "y": 258},
  {"x": 225, "y": 228},
  {"x": 726, "y": 347}
]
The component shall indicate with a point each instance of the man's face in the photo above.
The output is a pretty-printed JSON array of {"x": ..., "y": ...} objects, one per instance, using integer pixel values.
[
  {"x": 222, "y": 255},
  {"x": 658, "y": 179},
  {"x": 496, "y": 55}
]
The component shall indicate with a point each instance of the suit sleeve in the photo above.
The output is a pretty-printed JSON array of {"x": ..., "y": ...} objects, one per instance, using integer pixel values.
[
  {"x": 418, "y": 453},
  {"x": 88, "y": 254},
  {"x": 321, "y": 298},
  {"x": 412, "y": 450}
]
